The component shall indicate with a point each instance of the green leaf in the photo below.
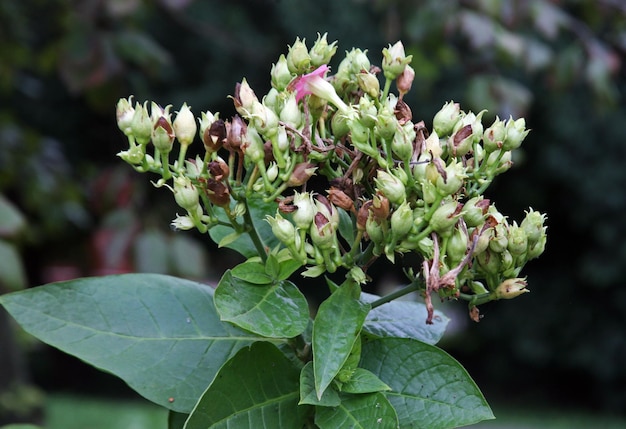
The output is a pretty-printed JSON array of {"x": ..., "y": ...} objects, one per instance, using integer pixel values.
[
  {"x": 243, "y": 244},
  {"x": 359, "y": 412},
  {"x": 252, "y": 272},
  {"x": 403, "y": 319},
  {"x": 335, "y": 329},
  {"x": 257, "y": 388},
  {"x": 278, "y": 310},
  {"x": 12, "y": 274},
  {"x": 428, "y": 387},
  {"x": 288, "y": 265},
  {"x": 363, "y": 381},
  {"x": 346, "y": 226},
  {"x": 12, "y": 220},
  {"x": 160, "y": 334},
  {"x": 330, "y": 398},
  {"x": 272, "y": 266}
]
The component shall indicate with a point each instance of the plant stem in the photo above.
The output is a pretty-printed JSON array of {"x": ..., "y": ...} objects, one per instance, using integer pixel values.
[
  {"x": 412, "y": 287},
  {"x": 251, "y": 230}
]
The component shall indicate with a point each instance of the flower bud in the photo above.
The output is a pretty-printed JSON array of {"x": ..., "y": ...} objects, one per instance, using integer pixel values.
[
  {"x": 339, "y": 125},
  {"x": 124, "y": 113},
  {"x": 322, "y": 232},
  {"x": 163, "y": 135},
  {"x": 445, "y": 217},
  {"x": 387, "y": 123},
  {"x": 185, "y": 126},
  {"x": 511, "y": 288},
  {"x": 498, "y": 241},
  {"x": 395, "y": 60},
  {"x": 305, "y": 210},
  {"x": 368, "y": 83},
  {"x": 329, "y": 210},
  {"x": 290, "y": 113},
  {"x": 432, "y": 145},
  {"x": 282, "y": 229},
  {"x": 457, "y": 246},
  {"x": 402, "y": 143},
  {"x": 452, "y": 181},
  {"x": 298, "y": 58},
  {"x": 533, "y": 226},
  {"x": 475, "y": 210},
  {"x": 446, "y": 118},
  {"x": 494, "y": 136},
  {"x": 322, "y": 52},
  {"x": 185, "y": 193},
  {"x": 489, "y": 262},
  {"x": 367, "y": 112},
  {"x": 244, "y": 98},
  {"x": 272, "y": 172},
  {"x": 252, "y": 147},
  {"x": 390, "y": 186},
  {"x": 405, "y": 80},
  {"x": 401, "y": 221},
  {"x": 133, "y": 156},
  {"x": 460, "y": 143},
  {"x": 517, "y": 240},
  {"x": 516, "y": 132},
  {"x": 374, "y": 230},
  {"x": 537, "y": 248},
  {"x": 141, "y": 124},
  {"x": 264, "y": 119},
  {"x": 280, "y": 74},
  {"x": 182, "y": 223}
]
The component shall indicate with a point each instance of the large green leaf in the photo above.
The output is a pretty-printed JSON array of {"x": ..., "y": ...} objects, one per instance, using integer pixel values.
[
  {"x": 336, "y": 327},
  {"x": 404, "y": 319},
  {"x": 160, "y": 334},
  {"x": 358, "y": 412},
  {"x": 277, "y": 310},
  {"x": 428, "y": 387},
  {"x": 243, "y": 244},
  {"x": 256, "y": 389}
]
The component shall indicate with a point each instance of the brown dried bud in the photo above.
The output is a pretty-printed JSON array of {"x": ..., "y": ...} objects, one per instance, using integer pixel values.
[
  {"x": 301, "y": 174},
  {"x": 218, "y": 169},
  {"x": 218, "y": 192},
  {"x": 286, "y": 205},
  {"x": 235, "y": 130},
  {"x": 214, "y": 136},
  {"x": 340, "y": 199},
  {"x": 380, "y": 207},
  {"x": 403, "y": 112},
  {"x": 363, "y": 214},
  {"x": 405, "y": 80}
]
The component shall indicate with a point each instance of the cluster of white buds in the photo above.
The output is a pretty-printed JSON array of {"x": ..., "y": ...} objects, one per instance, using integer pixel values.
[{"x": 386, "y": 184}]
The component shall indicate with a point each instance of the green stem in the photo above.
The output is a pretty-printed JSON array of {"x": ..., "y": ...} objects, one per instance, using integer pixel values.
[
  {"x": 383, "y": 96},
  {"x": 254, "y": 236},
  {"x": 412, "y": 287},
  {"x": 478, "y": 299}
]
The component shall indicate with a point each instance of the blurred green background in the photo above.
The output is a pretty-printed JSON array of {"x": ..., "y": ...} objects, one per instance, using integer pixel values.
[{"x": 69, "y": 208}]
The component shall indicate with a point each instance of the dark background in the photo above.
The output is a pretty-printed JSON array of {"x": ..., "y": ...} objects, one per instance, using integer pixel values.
[{"x": 559, "y": 64}]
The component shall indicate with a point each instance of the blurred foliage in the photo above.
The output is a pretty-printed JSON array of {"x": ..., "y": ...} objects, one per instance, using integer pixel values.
[{"x": 559, "y": 63}]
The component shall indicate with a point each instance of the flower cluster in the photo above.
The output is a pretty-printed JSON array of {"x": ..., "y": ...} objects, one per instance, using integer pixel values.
[{"x": 384, "y": 184}]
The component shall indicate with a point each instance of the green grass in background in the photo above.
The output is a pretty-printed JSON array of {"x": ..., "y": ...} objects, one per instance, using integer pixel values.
[{"x": 71, "y": 412}]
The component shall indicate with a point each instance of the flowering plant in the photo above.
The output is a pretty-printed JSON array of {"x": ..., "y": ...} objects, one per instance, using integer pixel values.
[{"x": 321, "y": 176}]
